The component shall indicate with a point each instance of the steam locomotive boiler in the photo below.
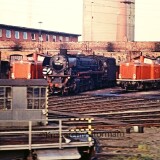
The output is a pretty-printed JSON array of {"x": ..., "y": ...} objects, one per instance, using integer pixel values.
[{"x": 68, "y": 73}]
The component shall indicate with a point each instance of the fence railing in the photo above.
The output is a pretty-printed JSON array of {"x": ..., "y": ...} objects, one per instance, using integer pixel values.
[{"x": 55, "y": 135}]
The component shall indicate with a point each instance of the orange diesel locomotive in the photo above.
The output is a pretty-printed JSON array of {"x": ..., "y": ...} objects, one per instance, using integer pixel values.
[
  {"x": 140, "y": 75},
  {"x": 27, "y": 69}
]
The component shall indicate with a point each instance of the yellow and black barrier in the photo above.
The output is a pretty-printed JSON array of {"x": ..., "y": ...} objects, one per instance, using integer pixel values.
[{"x": 89, "y": 129}]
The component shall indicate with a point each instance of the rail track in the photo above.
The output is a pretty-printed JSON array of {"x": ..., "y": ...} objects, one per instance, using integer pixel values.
[
  {"x": 99, "y": 112},
  {"x": 111, "y": 113},
  {"x": 108, "y": 111}
]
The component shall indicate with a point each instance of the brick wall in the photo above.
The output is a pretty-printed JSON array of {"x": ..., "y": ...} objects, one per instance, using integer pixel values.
[
  {"x": 94, "y": 46},
  {"x": 120, "y": 50}
]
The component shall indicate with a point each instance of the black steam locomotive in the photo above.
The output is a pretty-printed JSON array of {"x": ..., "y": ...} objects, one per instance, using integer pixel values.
[{"x": 68, "y": 73}]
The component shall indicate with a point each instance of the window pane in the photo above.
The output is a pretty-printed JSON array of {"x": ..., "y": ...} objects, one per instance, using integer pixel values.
[
  {"x": 8, "y": 33},
  {"x": 54, "y": 38},
  {"x": 29, "y": 92},
  {"x": 33, "y": 36},
  {"x": 36, "y": 92},
  {"x": 40, "y": 38},
  {"x": 67, "y": 39},
  {"x": 24, "y": 35},
  {"x": 1, "y": 92},
  {"x": 43, "y": 92},
  {"x": 42, "y": 104},
  {"x": 8, "y": 104},
  {"x": 30, "y": 103},
  {"x": 1, "y": 104},
  {"x": 36, "y": 104},
  {"x": 36, "y": 97},
  {"x": 5, "y": 98},
  {"x": 47, "y": 37},
  {"x": 8, "y": 92},
  {"x": 60, "y": 38},
  {"x": 17, "y": 34}
]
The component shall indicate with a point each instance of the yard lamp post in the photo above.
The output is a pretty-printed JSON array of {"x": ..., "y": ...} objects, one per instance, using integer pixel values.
[
  {"x": 92, "y": 21},
  {"x": 40, "y": 36},
  {"x": 0, "y": 64}
]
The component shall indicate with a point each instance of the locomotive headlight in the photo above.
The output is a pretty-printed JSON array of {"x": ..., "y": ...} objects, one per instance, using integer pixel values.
[
  {"x": 29, "y": 76},
  {"x": 120, "y": 76},
  {"x": 12, "y": 75},
  {"x": 134, "y": 76}
]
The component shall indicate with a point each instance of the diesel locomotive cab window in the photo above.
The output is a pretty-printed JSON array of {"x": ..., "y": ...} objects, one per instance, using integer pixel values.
[
  {"x": 36, "y": 97},
  {"x": 5, "y": 98}
]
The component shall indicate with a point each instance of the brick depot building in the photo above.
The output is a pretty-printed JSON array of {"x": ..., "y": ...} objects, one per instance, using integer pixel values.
[{"x": 24, "y": 34}]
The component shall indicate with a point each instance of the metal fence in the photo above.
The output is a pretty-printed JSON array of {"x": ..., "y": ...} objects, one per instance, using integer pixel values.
[{"x": 55, "y": 135}]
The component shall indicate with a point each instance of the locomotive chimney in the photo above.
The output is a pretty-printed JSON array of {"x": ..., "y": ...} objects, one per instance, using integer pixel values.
[{"x": 63, "y": 51}]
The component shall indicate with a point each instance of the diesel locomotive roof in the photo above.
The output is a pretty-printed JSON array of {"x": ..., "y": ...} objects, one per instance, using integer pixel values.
[{"x": 23, "y": 82}]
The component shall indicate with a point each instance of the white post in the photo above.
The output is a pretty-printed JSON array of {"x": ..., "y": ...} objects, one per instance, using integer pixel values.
[
  {"x": 30, "y": 135},
  {"x": 60, "y": 134}
]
